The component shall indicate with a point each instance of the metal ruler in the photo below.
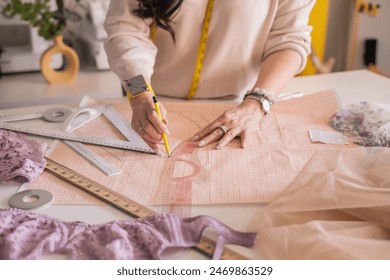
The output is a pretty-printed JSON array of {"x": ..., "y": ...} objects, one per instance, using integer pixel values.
[
  {"x": 21, "y": 116},
  {"x": 54, "y": 114},
  {"x": 123, "y": 126},
  {"x": 94, "y": 158},
  {"x": 55, "y": 134},
  {"x": 206, "y": 246}
]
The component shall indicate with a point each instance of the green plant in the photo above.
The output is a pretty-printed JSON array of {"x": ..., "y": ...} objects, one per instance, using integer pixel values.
[{"x": 39, "y": 14}]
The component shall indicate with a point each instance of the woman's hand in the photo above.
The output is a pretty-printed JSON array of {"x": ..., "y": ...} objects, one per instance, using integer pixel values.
[
  {"x": 146, "y": 122},
  {"x": 241, "y": 121}
]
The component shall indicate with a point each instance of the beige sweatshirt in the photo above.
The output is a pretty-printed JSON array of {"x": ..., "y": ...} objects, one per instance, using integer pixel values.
[{"x": 242, "y": 34}]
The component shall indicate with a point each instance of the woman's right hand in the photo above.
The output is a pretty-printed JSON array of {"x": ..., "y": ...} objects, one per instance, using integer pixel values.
[{"x": 146, "y": 122}]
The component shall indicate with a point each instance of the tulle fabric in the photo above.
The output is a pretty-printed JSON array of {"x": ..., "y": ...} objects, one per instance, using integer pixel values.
[{"x": 338, "y": 207}]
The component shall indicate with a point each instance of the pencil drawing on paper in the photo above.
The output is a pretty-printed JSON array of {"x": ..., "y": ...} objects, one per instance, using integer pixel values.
[{"x": 193, "y": 175}]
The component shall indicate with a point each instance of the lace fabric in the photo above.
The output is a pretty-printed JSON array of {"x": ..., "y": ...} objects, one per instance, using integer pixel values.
[
  {"x": 27, "y": 235},
  {"x": 365, "y": 123},
  {"x": 21, "y": 159}
]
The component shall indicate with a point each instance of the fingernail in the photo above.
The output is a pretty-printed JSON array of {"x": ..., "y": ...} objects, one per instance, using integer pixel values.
[
  {"x": 201, "y": 143},
  {"x": 166, "y": 131},
  {"x": 219, "y": 146},
  {"x": 195, "y": 138}
]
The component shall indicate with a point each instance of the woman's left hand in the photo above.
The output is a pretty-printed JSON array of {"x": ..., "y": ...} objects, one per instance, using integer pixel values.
[{"x": 241, "y": 121}]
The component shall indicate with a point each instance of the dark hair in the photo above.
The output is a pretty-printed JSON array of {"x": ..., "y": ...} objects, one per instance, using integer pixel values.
[{"x": 161, "y": 11}]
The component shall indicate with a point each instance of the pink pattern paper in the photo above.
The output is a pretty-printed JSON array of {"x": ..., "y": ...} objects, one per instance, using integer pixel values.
[{"x": 195, "y": 175}]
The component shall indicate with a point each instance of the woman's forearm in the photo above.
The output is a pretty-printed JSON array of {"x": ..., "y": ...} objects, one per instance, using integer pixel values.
[{"x": 277, "y": 69}]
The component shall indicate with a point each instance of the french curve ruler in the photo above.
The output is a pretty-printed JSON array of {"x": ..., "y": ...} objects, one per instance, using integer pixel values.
[
  {"x": 176, "y": 191},
  {"x": 206, "y": 246},
  {"x": 93, "y": 140}
]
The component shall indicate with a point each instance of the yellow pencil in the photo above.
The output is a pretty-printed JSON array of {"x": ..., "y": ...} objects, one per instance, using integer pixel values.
[{"x": 164, "y": 136}]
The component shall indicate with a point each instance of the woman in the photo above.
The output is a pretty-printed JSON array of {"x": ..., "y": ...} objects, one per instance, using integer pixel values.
[{"x": 248, "y": 46}]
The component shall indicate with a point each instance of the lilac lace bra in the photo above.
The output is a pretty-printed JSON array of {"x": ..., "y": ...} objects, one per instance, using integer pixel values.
[{"x": 27, "y": 235}]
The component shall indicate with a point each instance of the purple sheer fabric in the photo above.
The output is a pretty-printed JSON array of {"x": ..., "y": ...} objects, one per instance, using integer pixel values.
[
  {"x": 21, "y": 159},
  {"x": 28, "y": 235}
]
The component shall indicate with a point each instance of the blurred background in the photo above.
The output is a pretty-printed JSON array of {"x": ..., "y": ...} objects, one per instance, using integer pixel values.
[
  {"x": 347, "y": 35},
  {"x": 355, "y": 33},
  {"x": 22, "y": 47},
  {"x": 350, "y": 32}
]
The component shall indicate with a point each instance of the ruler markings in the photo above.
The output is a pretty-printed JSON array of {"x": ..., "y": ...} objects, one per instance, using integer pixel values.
[
  {"x": 121, "y": 124},
  {"x": 176, "y": 192},
  {"x": 21, "y": 116},
  {"x": 115, "y": 143},
  {"x": 108, "y": 168},
  {"x": 206, "y": 246}
]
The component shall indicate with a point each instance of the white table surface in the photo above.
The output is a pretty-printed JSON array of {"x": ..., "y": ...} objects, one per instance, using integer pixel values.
[
  {"x": 352, "y": 87},
  {"x": 30, "y": 89}
]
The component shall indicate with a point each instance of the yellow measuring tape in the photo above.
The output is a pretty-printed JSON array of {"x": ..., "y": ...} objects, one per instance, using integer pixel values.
[
  {"x": 201, "y": 50},
  {"x": 206, "y": 246}
]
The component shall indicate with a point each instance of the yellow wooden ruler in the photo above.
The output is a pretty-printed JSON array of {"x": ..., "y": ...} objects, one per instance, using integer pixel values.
[{"x": 206, "y": 246}]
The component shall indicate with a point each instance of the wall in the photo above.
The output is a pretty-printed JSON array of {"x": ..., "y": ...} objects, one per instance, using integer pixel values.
[
  {"x": 319, "y": 21},
  {"x": 337, "y": 33},
  {"x": 377, "y": 28},
  {"x": 339, "y": 27}
]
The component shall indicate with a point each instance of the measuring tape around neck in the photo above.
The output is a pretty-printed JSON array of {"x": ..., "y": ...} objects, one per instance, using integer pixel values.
[{"x": 201, "y": 49}]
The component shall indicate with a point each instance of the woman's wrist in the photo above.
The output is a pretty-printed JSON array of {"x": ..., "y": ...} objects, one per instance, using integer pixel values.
[
  {"x": 145, "y": 97},
  {"x": 261, "y": 96},
  {"x": 252, "y": 106}
]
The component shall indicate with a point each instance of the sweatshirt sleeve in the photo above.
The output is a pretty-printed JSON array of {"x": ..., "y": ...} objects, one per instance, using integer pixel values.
[
  {"x": 129, "y": 50},
  {"x": 290, "y": 30}
]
